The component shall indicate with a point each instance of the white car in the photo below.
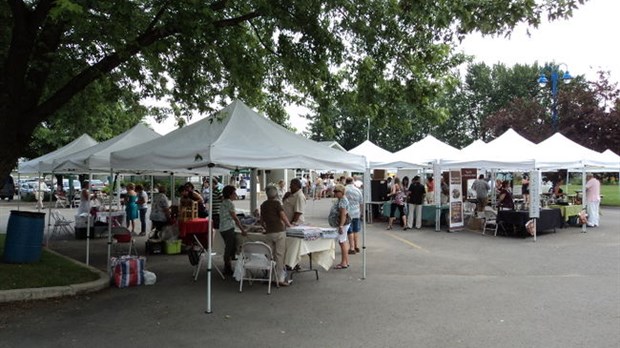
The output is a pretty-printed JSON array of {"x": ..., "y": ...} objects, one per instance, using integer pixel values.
[
  {"x": 29, "y": 188},
  {"x": 77, "y": 187},
  {"x": 96, "y": 185}
]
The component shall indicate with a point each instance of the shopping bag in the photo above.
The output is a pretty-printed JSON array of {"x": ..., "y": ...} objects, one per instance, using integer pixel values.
[{"x": 128, "y": 271}]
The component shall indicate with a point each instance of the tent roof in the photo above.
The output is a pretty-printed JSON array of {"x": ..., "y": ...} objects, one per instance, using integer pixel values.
[
  {"x": 508, "y": 151},
  {"x": 235, "y": 137},
  {"x": 421, "y": 154},
  {"x": 97, "y": 157},
  {"x": 475, "y": 146},
  {"x": 558, "y": 152},
  {"x": 44, "y": 164},
  {"x": 374, "y": 154},
  {"x": 333, "y": 144}
]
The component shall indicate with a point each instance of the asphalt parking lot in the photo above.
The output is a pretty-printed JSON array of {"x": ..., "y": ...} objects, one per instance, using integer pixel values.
[{"x": 423, "y": 288}]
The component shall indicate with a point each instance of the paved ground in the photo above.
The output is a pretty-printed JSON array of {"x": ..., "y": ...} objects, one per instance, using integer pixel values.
[{"x": 424, "y": 289}]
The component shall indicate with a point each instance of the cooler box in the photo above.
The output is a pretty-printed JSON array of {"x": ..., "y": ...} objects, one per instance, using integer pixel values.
[{"x": 154, "y": 247}]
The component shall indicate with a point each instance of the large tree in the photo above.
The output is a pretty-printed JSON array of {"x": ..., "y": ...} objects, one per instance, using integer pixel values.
[
  {"x": 588, "y": 114},
  {"x": 197, "y": 53}
]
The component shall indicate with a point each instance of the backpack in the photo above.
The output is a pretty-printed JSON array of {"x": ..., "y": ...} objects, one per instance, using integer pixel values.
[{"x": 334, "y": 218}]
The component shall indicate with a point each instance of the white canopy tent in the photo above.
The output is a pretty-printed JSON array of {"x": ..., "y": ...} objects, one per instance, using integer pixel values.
[
  {"x": 235, "y": 137},
  {"x": 509, "y": 151},
  {"x": 559, "y": 152},
  {"x": 420, "y": 154},
  {"x": 476, "y": 146},
  {"x": 374, "y": 154},
  {"x": 96, "y": 159},
  {"x": 610, "y": 157},
  {"x": 44, "y": 164}
]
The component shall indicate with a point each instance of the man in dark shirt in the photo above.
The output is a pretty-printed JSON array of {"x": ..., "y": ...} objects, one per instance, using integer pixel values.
[{"x": 415, "y": 200}]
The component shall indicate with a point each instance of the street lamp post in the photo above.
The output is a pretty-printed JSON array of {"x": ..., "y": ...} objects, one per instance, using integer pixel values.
[{"x": 542, "y": 81}]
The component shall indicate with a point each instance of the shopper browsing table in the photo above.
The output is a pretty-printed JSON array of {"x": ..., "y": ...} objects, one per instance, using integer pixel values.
[
  {"x": 339, "y": 211},
  {"x": 228, "y": 220},
  {"x": 294, "y": 203},
  {"x": 275, "y": 222}
]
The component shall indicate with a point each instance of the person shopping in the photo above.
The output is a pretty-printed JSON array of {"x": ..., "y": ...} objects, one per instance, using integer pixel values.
[
  {"x": 398, "y": 203},
  {"x": 275, "y": 222},
  {"x": 228, "y": 220},
  {"x": 415, "y": 201},
  {"x": 143, "y": 207},
  {"x": 131, "y": 206},
  {"x": 593, "y": 199},
  {"x": 338, "y": 217},
  {"x": 160, "y": 211}
]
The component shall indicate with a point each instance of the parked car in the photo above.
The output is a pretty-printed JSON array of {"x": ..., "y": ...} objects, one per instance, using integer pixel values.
[
  {"x": 77, "y": 187},
  {"x": 7, "y": 188},
  {"x": 96, "y": 185},
  {"x": 29, "y": 188}
]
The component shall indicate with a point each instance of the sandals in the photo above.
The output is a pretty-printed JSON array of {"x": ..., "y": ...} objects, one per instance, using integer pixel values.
[
  {"x": 357, "y": 250},
  {"x": 352, "y": 252},
  {"x": 341, "y": 266}
]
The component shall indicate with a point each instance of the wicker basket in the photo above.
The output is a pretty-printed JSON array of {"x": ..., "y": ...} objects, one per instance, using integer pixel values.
[{"x": 188, "y": 212}]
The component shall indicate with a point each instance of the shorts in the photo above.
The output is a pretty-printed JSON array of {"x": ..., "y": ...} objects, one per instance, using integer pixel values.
[
  {"x": 355, "y": 226},
  {"x": 343, "y": 237}
]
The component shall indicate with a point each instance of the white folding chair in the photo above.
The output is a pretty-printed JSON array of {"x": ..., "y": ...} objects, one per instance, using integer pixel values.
[
  {"x": 122, "y": 238},
  {"x": 490, "y": 222},
  {"x": 203, "y": 253},
  {"x": 257, "y": 256},
  {"x": 76, "y": 200},
  {"x": 62, "y": 226},
  {"x": 61, "y": 201}
]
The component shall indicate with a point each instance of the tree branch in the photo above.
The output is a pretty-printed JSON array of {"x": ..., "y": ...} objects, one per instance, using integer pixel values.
[
  {"x": 96, "y": 71},
  {"x": 262, "y": 42},
  {"x": 158, "y": 15},
  {"x": 219, "y": 5},
  {"x": 230, "y": 22}
]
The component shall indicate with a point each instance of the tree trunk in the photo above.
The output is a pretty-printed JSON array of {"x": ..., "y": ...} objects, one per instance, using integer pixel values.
[{"x": 16, "y": 132}]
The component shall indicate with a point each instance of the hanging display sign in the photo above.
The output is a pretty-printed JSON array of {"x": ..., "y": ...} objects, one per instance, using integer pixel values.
[{"x": 456, "y": 201}]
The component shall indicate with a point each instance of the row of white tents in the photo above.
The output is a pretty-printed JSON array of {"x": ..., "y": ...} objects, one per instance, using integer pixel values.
[
  {"x": 508, "y": 151},
  {"x": 237, "y": 137}
]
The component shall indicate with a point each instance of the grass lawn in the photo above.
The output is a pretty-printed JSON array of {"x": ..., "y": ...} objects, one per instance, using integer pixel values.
[
  {"x": 611, "y": 194},
  {"x": 52, "y": 270}
]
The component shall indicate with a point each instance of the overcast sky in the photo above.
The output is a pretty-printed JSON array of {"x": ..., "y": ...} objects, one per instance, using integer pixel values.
[{"x": 586, "y": 43}]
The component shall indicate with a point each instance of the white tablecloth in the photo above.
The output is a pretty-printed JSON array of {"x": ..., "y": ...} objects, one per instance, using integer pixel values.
[{"x": 323, "y": 250}]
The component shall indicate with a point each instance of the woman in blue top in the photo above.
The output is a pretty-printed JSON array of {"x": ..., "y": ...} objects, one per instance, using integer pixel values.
[{"x": 131, "y": 206}]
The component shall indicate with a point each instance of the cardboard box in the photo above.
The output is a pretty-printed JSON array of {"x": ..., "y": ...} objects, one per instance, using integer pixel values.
[
  {"x": 475, "y": 224},
  {"x": 378, "y": 174}
]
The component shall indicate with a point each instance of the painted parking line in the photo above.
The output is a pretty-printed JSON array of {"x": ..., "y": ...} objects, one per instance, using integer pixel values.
[{"x": 405, "y": 241}]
